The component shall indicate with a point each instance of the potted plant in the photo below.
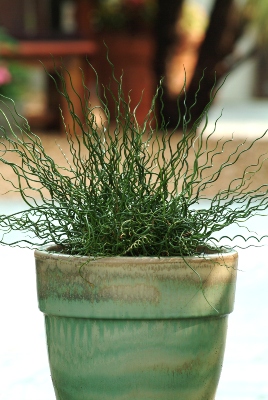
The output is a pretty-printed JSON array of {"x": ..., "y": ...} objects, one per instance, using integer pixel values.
[{"x": 135, "y": 285}]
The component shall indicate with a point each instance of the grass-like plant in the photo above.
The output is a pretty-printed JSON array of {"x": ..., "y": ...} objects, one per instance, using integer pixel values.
[{"x": 125, "y": 188}]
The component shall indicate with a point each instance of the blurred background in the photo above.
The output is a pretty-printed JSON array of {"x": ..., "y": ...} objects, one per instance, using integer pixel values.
[{"x": 147, "y": 39}]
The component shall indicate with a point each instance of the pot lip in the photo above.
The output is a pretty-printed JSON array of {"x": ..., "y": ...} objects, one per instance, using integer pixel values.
[{"x": 50, "y": 251}]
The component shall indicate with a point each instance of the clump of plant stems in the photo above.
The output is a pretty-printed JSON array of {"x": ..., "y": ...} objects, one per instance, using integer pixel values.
[{"x": 125, "y": 190}]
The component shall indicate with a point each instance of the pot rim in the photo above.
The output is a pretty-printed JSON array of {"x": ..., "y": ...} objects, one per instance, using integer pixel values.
[{"x": 51, "y": 251}]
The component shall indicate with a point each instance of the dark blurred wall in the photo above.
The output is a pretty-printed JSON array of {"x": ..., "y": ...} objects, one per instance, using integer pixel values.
[{"x": 40, "y": 19}]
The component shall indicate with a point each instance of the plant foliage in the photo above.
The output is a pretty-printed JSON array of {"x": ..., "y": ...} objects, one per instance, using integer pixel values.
[{"x": 126, "y": 189}]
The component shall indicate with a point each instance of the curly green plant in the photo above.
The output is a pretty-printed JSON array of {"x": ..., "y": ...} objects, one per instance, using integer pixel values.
[{"x": 125, "y": 188}]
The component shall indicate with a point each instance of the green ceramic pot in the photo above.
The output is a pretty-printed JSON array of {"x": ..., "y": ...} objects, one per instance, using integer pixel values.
[{"x": 128, "y": 328}]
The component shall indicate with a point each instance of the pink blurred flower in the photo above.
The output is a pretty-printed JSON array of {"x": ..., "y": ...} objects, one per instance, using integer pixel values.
[{"x": 5, "y": 76}]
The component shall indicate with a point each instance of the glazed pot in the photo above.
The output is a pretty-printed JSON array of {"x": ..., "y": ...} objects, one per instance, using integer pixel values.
[{"x": 135, "y": 328}]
